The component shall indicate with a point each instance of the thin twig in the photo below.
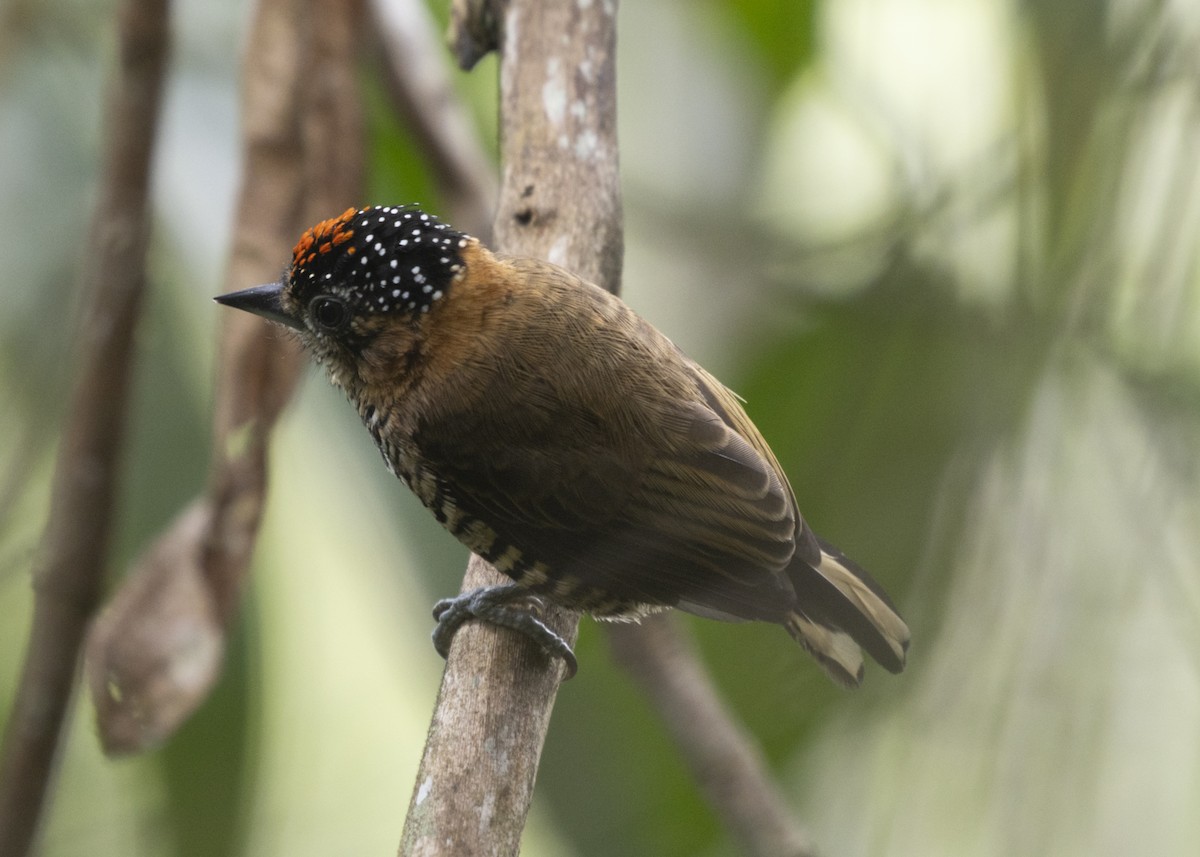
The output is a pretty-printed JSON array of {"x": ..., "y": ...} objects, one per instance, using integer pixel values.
[
  {"x": 156, "y": 651},
  {"x": 68, "y": 571},
  {"x": 726, "y": 764},
  {"x": 562, "y": 203}
]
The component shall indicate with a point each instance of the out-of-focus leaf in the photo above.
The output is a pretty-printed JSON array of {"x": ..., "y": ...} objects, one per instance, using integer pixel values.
[
  {"x": 1034, "y": 465},
  {"x": 865, "y": 409},
  {"x": 1054, "y": 711},
  {"x": 783, "y": 31},
  {"x": 396, "y": 174}
]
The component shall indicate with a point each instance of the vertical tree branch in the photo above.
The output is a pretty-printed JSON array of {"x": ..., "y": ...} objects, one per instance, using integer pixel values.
[
  {"x": 725, "y": 761},
  {"x": 559, "y": 200},
  {"x": 68, "y": 571},
  {"x": 157, "y": 649},
  {"x": 304, "y": 144}
]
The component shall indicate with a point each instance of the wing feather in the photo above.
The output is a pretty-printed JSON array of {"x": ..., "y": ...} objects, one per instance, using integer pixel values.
[{"x": 652, "y": 495}]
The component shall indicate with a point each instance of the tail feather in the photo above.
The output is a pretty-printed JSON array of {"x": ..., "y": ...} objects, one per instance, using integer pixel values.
[
  {"x": 838, "y": 597},
  {"x": 834, "y": 650}
]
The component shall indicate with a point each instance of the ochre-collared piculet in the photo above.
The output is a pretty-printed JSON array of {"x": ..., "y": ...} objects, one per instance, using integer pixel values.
[{"x": 565, "y": 440}]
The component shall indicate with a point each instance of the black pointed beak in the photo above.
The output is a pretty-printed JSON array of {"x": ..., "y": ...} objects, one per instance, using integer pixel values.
[{"x": 261, "y": 300}]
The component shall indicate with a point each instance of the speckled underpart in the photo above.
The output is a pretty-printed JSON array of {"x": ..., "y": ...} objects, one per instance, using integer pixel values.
[{"x": 381, "y": 260}]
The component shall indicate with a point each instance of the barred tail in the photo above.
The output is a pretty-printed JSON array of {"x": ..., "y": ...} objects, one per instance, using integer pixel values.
[{"x": 840, "y": 608}]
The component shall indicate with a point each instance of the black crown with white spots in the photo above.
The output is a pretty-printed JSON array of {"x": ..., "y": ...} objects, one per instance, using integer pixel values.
[{"x": 386, "y": 259}]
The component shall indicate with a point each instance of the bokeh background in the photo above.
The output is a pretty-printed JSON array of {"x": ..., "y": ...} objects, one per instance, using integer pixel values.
[{"x": 947, "y": 251}]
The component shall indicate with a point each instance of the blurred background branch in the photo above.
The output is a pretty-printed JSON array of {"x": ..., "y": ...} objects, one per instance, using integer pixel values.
[
  {"x": 728, "y": 767},
  {"x": 68, "y": 570},
  {"x": 157, "y": 649}
]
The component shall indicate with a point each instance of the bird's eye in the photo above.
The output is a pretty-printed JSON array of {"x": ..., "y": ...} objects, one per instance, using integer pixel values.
[{"x": 330, "y": 314}]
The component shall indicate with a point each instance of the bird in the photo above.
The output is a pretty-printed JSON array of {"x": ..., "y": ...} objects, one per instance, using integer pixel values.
[{"x": 565, "y": 440}]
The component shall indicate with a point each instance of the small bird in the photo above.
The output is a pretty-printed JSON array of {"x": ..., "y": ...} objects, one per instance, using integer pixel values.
[{"x": 565, "y": 440}]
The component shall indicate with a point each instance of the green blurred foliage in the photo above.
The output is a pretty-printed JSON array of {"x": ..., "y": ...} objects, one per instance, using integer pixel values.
[
  {"x": 782, "y": 32},
  {"x": 948, "y": 254},
  {"x": 395, "y": 169}
]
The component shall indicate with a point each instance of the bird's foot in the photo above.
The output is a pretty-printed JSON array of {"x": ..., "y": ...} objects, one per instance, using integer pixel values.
[{"x": 495, "y": 604}]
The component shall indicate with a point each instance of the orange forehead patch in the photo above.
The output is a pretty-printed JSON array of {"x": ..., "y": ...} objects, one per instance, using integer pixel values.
[{"x": 323, "y": 237}]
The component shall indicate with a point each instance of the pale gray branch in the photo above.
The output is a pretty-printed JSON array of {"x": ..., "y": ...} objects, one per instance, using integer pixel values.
[
  {"x": 559, "y": 200},
  {"x": 69, "y": 568}
]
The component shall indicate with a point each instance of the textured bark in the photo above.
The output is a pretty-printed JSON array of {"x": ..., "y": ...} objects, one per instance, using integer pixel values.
[
  {"x": 69, "y": 569},
  {"x": 559, "y": 200}
]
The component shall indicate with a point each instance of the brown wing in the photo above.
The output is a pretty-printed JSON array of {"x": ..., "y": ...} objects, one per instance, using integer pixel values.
[
  {"x": 723, "y": 402},
  {"x": 616, "y": 464}
]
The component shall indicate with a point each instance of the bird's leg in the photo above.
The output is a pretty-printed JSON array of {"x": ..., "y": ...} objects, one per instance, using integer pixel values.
[{"x": 494, "y": 604}]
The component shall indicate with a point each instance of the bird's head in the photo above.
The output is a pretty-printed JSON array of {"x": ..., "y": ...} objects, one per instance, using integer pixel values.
[{"x": 358, "y": 282}]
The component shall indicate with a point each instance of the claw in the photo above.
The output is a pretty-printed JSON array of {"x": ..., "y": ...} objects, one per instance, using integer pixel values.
[{"x": 494, "y": 604}]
